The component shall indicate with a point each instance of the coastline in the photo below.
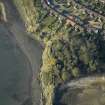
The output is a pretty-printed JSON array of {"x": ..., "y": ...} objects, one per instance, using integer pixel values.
[
  {"x": 31, "y": 48},
  {"x": 35, "y": 62},
  {"x": 14, "y": 71}
]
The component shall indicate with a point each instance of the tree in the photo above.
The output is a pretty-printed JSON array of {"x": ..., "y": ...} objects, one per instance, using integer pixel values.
[{"x": 75, "y": 72}]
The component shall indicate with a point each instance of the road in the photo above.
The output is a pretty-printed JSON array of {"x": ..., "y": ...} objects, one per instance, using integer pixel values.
[
  {"x": 76, "y": 19},
  {"x": 67, "y": 16},
  {"x": 31, "y": 48},
  {"x": 89, "y": 9}
]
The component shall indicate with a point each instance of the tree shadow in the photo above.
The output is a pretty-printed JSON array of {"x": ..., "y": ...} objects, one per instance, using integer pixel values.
[{"x": 59, "y": 92}]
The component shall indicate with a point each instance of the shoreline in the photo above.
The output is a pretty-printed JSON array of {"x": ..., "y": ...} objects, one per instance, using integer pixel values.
[
  {"x": 33, "y": 78},
  {"x": 31, "y": 48},
  {"x": 29, "y": 51},
  {"x": 15, "y": 88}
]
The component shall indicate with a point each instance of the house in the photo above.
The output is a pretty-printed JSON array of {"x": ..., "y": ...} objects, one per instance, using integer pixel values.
[
  {"x": 70, "y": 21},
  {"x": 95, "y": 24}
]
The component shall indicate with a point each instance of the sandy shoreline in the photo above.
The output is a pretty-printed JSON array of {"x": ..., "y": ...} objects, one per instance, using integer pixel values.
[
  {"x": 33, "y": 52},
  {"x": 31, "y": 48}
]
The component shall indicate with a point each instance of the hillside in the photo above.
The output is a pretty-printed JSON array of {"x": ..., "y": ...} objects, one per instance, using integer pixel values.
[{"x": 72, "y": 33}]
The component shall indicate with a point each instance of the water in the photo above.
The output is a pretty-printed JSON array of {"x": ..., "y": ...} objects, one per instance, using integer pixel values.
[
  {"x": 93, "y": 94},
  {"x": 14, "y": 71},
  {"x": 87, "y": 96}
]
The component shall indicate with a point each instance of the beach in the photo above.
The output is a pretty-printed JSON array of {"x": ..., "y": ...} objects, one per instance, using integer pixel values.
[{"x": 28, "y": 52}]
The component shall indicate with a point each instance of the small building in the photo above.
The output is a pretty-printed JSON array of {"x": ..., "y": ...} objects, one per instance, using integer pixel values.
[{"x": 95, "y": 24}]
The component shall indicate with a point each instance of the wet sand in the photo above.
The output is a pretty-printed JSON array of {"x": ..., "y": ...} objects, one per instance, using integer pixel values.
[
  {"x": 27, "y": 55},
  {"x": 14, "y": 71}
]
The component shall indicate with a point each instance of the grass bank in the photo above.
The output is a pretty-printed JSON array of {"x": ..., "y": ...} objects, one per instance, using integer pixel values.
[
  {"x": 2, "y": 12},
  {"x": 27, "y": 12}
]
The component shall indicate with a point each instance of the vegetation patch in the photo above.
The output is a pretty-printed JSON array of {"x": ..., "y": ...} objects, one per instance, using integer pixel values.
[
  {"x": 2, "y": 12},
  {"x": 71, "y": 51}
]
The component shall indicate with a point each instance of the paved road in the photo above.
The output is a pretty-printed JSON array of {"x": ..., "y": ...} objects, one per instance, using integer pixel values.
[
  {"x": 77, "y": 20},
  {"x": 87, "y": 8},
  {"x": 31, "y": 48},
  {"x": 65, "y": 15}
]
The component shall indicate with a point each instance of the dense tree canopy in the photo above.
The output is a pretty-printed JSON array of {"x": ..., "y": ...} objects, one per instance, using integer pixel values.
[{"x": 79, "y": 56}]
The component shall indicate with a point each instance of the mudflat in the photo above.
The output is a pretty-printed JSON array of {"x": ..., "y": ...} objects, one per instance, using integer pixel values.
[
  {"x": 14, "y": 71},
  {"x": 20, "y": 60}
]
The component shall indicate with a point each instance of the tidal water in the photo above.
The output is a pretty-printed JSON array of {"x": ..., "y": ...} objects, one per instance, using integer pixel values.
[
  {"x": 14, "y": 71},
  {"x": 93, "y": 94}
]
